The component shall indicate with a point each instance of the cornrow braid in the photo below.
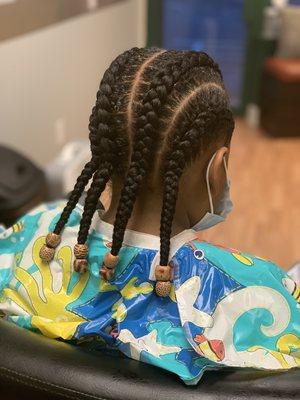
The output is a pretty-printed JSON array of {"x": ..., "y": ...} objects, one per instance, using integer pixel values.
[
  {"x": 111, "y": 148},
  {"x": 99, "y": 116},
  {"x": 179, "y": 154},
  {"x": 80, "y": 184},
  {"x": 183, "y": 146},
  {"x": 146, "y": 137},
  {"x": 86, "y": 173},
  {"x": 98, "y": 113},
  {"x": 100, "y": 180},
  {"x": 110, "y": 261}
]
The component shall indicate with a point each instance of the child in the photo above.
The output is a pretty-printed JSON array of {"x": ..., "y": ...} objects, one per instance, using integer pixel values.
[{"x": 141, "y": 280}]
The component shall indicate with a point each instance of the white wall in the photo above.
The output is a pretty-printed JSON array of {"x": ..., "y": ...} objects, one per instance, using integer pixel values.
[{"x": 49, "y": 78}]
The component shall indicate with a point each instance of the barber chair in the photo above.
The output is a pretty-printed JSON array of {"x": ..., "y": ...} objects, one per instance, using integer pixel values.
[{"x": 35, "y": 367}]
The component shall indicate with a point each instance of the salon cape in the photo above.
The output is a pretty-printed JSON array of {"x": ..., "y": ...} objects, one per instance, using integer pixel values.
[{"x": 225, "y": 309}]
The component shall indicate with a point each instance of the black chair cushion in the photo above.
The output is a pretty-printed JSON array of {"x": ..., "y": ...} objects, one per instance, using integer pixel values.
[{"x": 34, "y": 367}]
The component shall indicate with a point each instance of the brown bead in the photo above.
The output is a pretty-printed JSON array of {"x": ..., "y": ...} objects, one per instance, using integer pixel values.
[
  {"x": 47, "y": 253},
  {"x": 80, "y": 265},
  {"x": 163, "y": 272},
  {"x": 52, "y": 240},
  {"x": 80, "y": 250},
  {"x": 110, "y": 261},
  {"x": 107, "y": 273},
  {"x": 163, "y": 289}
]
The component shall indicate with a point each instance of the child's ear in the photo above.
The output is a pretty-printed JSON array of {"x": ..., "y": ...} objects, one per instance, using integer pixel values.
[{"x": 217, "y": 174}]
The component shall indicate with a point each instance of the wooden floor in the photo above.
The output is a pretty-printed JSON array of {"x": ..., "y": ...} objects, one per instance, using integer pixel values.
[{"x": 265, "y": 181}]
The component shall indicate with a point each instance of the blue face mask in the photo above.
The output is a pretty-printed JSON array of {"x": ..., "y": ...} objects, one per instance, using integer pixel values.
[{"x": 219, "y": 213}]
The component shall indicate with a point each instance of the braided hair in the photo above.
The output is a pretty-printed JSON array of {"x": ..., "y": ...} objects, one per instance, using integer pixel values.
[
  {"x": 147, "y": 132},
  {"x": 151, "y": 104}
]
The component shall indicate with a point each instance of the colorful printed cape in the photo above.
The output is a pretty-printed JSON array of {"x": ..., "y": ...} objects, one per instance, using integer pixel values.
[{"x": 226, "y": 308}]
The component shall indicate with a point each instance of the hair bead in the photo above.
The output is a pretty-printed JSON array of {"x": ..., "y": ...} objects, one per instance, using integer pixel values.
[
  {"x": 80, "y": 265},
  {"x": 106, "y": 273},
  {"x": 163, "y": 273},
  {"x": 80, "y": 250},
  {"x": 53, "y": 240},
  {"x": 110, "y": 261},
  {"x": 108, "y": 267},
  {"x": 162, "y": 288},
  {"x": 46, "y": 253}
]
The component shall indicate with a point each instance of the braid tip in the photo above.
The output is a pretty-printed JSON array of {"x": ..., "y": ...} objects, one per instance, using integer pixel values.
[{"x": 48, "y": 249}]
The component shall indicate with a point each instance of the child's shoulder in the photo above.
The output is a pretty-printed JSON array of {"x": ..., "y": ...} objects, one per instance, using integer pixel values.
[
  {"x": 213, "y": 250},
  {"x": 245, "y": 268},
  {"x": 203, "y": 249}
]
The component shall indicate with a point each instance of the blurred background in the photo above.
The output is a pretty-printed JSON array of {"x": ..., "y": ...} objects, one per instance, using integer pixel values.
[{"x": 54, "y": 52}]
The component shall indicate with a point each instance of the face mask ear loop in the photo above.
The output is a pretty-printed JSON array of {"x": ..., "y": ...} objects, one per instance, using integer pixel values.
[
  {"x": 226, "y": 169},
  {"x": 208, "y": 184}
]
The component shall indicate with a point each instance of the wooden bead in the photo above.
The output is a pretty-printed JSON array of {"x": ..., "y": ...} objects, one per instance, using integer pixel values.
[
  {"x": 80, "y": 265},
  {"x": 163, "y": 272},
  {"x": 163, "y": 289},
  {"x": 47, "y": 253},
  {"x": 110, "y": 261},
  {"x": 80, "y": 250},
  {"x": 107, "y": 273},
  {"x": 52, "y": 240}
]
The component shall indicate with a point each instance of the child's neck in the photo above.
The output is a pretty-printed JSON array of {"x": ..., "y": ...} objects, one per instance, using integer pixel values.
[{"x": 146, "y": 215}]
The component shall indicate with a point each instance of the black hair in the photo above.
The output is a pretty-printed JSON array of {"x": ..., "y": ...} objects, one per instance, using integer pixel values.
[{"x": 149, "y": 100}]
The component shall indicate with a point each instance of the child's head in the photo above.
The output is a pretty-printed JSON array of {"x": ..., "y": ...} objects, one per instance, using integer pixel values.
[{"x": 158, "y": 119}]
